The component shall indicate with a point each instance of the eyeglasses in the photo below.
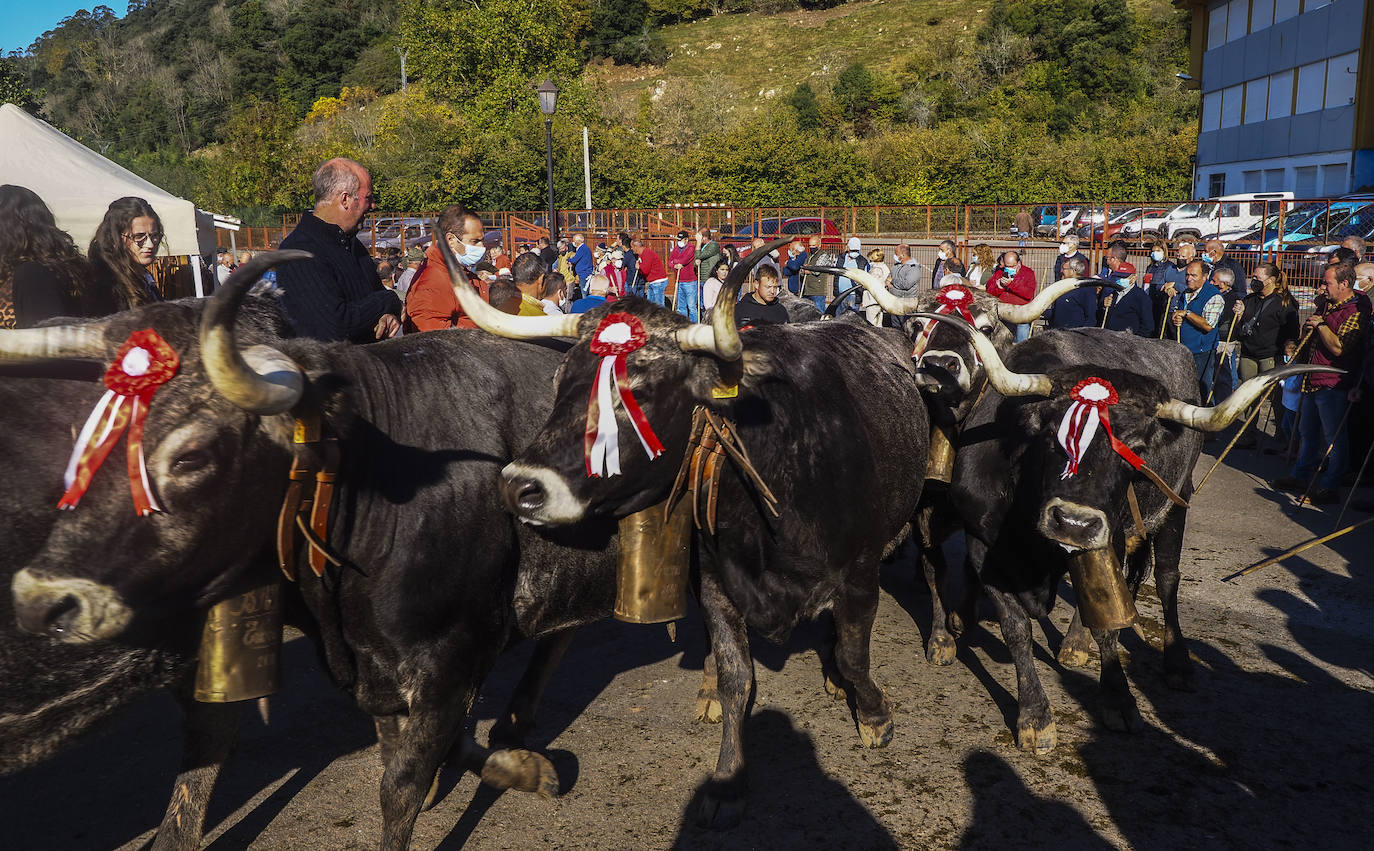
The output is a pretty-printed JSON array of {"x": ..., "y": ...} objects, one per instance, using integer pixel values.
[{"x": 141, "y": 238}]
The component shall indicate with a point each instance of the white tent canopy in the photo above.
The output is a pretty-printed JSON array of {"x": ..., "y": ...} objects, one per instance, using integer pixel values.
[{"x": 78, "y": 184}]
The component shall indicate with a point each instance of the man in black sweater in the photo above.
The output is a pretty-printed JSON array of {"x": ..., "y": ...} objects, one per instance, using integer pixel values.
[
  {"x": 761, "y": 307},
  {"x": 338, "y": 295}
]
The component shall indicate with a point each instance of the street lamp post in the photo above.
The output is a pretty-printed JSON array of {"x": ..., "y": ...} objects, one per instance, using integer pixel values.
[{"x": 548, "y": 102}]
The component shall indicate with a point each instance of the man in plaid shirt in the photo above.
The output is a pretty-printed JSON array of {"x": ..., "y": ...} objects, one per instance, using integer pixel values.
[
  {"x": 1339, "y": 340},
  {"x": 1195, "y": 313}
]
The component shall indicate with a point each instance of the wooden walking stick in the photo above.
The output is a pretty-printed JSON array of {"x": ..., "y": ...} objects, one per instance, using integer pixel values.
[
  {"x": 1229, "y": 331},
  {"x": 1303, "y": 547},
  {"x": 1358, "y": 476}
]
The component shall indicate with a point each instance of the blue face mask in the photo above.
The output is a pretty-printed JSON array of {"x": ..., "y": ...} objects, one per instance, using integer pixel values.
[
  {"x": 472, "y": 254},
  {"x": 1011, "y": 270}
]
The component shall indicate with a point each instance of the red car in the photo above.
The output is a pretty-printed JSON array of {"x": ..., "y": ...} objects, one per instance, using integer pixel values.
[{"x": 772, "y": 228}]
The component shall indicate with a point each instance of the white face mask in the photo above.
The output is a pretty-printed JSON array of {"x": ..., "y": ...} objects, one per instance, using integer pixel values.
[
  {"x": 773, "y": 254},
  {"x": 472, "y": 254},
  {"x": 853, "y": 254},
  {"x": 1065, "y": 248},
  {"x": 618, "y": 263},
  {"x": 682, "y": 243},
  {"x": 1157, "y": 256},
  {"x": 944, "y": 255}
]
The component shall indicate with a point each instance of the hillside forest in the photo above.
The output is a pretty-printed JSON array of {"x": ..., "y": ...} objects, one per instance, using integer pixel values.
[{"x": 749, "y": 102}]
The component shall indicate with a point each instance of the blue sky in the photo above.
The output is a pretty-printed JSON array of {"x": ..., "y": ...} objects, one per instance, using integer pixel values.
[{"x": 26, "y": 20}]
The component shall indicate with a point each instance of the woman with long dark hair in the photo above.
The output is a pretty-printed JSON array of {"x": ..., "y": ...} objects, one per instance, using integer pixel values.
[
  {"x": 42, "y": 275},
  {"x": 122, "y": 254}
]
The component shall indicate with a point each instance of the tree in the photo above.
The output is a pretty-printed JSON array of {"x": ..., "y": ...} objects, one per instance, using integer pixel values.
[
  {"x": 808, "y": 111},
  {"x": 14, "y": 87}
]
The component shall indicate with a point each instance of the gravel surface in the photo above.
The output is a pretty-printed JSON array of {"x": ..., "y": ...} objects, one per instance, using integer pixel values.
[{"x": 1272, "y": 750}]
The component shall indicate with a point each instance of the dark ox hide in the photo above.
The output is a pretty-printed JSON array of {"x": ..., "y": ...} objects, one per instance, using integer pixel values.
[
  {"x": 1021, "y": 518},
  {"x": 52, "y": 693},
  {"x": 414, "y": 620},
  {"x": 833, "y": 422}
]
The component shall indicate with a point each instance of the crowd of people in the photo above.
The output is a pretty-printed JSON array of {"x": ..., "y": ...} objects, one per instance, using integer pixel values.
[{"x": 1235, "y": 324}]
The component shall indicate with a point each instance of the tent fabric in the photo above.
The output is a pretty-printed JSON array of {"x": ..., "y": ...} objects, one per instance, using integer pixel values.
[{"x": 78, "y": 184}]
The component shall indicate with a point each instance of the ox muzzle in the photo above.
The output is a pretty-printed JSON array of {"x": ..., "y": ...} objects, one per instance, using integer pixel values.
[
  {"x": 74, "y": 611},
  {"x": 539, "y": 496},
  {"x": 1074, "y": 526}
]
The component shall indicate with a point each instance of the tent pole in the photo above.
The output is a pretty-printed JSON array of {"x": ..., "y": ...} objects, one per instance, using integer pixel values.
[{"x": 195, "y": 273}]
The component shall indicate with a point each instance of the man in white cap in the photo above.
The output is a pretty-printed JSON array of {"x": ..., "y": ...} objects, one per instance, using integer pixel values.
[{"x": 853, "y": 258}]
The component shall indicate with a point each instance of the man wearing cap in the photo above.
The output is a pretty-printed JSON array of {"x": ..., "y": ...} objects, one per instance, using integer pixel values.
[
  {"x": 682, "y": 260},
  {"x": 853, "y": 258},
  {"x": 1128, "y": 309},
  {"x": 414, "y": 261}
]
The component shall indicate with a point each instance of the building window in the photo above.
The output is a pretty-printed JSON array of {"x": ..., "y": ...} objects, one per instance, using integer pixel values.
[
  {"x": 1250, "y": 180},
  {"x": 1230, "y": 106},
  {"x": 1305, "y": 181},
  {"x": 1211, "y": 111},
  {"x": 1281, "y": 95},
  {"x": 1261, "y": 15},
  {"x": 1273, "y": 180},
  {"x": 1340, "y": 80},
  {"x": 1311, "y": 86},
  {"x": 1256, "y": 95},
  {"x": 1216, "y": 26},
  {"x": 1216, "y": 185},
  {"x": 1237, "y": 18},
  {"x": 1333, "y": 179},
  {"x": 1285, "y": 9},
  {"x": 1314, "y": 5}
]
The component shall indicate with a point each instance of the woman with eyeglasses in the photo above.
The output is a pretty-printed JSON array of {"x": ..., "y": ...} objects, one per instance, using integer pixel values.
[
  {"x": 122, "y": 254},
  {"x": 42, "y": 275}
]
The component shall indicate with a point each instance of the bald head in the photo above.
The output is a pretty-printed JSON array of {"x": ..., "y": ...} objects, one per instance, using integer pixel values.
[{"x": 343, "y": 193}]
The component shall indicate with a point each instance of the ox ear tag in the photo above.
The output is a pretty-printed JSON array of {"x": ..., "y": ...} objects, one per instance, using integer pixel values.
[
  {"x": 729, "y": 391},
  {"x": 307, "y": 429}
]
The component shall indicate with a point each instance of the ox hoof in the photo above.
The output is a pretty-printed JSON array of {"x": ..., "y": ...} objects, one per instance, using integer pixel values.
[
  {"x": 877, "y": 735},
  {"x": 1123, "y": 717},
  {"x": 708, "y": 708},
  {"x": 433, "y": 794},
  {"x": 1071, "y": 656},
  {"x": 1037, "y": 740},
  {"x": 521, "y": 770},
  {"x": 834, "y": 689},
  {"x": 941, "y": 650},
  {"x": 720, "y": 809}
]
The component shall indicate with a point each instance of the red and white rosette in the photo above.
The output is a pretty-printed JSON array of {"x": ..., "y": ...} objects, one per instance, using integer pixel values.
[
  {"x": 955, "y": 298},
  {"x": 144, "y": 363},
  {"x": 1092, "y": 397},
  {"x": 616, "y": 336}
]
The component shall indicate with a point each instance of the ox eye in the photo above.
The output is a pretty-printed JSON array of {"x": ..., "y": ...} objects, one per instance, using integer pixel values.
[
  {"x": 190, "y": 462},
  {"x": 987, "y": 330}
]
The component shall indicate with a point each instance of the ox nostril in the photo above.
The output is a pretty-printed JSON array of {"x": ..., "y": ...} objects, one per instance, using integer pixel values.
[
  {"x": 529, "y": 494},
  {"x": 59, "y": 617}
]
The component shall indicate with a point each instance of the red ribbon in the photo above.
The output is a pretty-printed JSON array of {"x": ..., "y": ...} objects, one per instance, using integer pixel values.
[
  {"x": 954, "y": 298},
  {"x": 143, "y": 364},
  {"x": 614, "y": 339},
  {"x": 1092, "y": 397}
]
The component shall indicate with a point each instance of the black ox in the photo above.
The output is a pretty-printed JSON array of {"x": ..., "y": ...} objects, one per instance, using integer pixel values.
[
  {"x": 435, "y": 578},
  {"x": 829, "y": 413},
  {"x": 1024, "y": 520}
]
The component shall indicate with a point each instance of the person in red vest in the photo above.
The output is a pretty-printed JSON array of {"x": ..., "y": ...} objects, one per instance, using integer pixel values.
[
  {"x": 1013, "y": 283},
  {"x": 651, "y": 270}
]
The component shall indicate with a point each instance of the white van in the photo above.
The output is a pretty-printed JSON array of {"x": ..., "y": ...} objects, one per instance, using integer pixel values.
[
  {"x": 1225, "y": 214},
  {"x": 1153, "y": 226}
]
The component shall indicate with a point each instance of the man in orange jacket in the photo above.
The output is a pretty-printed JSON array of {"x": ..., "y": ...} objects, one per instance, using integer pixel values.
[{"x": 430, "y": 302}]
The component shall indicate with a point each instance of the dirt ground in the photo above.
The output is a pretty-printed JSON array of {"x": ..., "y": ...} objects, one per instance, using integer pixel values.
[{"x": 1272, "y": 750}]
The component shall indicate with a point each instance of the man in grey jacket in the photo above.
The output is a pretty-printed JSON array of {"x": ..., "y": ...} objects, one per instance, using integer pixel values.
[{"x": 906, "y": 272}]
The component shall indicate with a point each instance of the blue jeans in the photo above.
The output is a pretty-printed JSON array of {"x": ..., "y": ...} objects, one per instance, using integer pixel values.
[
  {"x": 636, "y": 288},
  {"x": 1206, "y": 364},
  {"x": 819, "y": 301},
  {"x": 687, "y": 299},
  {"x": 1230, "y": 369},
  {"x": 656, "y": 290},
  {"x": 1320, "y": 423},
  {"x": 1021, "y": 332}
]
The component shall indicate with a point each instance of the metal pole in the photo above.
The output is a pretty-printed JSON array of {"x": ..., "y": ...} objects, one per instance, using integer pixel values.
[
  {"x": 587, "y": 168},
  {"x": 548, "y": 162}
]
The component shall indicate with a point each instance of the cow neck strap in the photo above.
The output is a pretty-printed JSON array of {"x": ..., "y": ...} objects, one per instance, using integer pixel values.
[
  {"x": 711, "y": 438},
  {"x": 309, "y": 497}
]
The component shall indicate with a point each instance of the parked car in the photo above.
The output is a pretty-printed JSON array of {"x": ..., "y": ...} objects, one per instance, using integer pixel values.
[
  {"x": 1226, "y": 214},
  {"x": 1108, "y": 230},
  {"x": 1301, "y": 224},
  {"x": 1151, "y": 226},
  {"x": 415, "y": 232},
  {"x": 771, "y": 228},
  {"x": 1076, "y": 217}
]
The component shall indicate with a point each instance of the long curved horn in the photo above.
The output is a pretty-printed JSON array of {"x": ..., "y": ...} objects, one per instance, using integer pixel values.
[
  {"x": 1020, "y": 314},
  {"x": 260, "y": 380},
  {"x": 57, "y": 341},
  {"x": 833, "y": 307},
  {"x": 1221, "y": 415},
  {"x": 721, "y": 337},
  {"x": 890, "y": 303},
  {"x": 1005, "y": 381},
  {"x": 499, "y": 322}
]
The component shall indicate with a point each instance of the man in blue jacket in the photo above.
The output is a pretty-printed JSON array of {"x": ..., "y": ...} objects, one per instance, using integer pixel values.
[
  {"x": 582, "y": 262},
  {"x": 1194, "y": 314},
  {"x": 1076, "y": 308}
]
